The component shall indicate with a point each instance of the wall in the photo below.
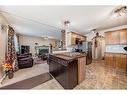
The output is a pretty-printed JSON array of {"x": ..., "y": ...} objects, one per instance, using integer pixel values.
[
  {"x": 111, "y": 48},
  {"x": 29, "y": 40},
  {"x": 3, "y": 21}
]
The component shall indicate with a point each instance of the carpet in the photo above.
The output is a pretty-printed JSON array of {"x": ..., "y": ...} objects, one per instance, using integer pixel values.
[{"x": 29, "y": 83}]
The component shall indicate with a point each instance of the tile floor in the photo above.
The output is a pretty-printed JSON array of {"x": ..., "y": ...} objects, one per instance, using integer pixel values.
[{"x": 98, "y": 76}]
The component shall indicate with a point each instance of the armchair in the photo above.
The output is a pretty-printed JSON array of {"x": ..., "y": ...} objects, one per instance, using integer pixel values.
[{"x": 25, "y": 60}]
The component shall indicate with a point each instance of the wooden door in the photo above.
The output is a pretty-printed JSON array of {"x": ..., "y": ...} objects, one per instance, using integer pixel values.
[{"x": 123, "y": 36}]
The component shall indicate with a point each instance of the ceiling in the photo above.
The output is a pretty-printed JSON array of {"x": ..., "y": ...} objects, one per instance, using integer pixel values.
[{"x": 48, "y": 20}]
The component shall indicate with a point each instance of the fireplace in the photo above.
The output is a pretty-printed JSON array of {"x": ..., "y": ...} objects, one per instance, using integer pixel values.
[{"x": 42, "y": 52}]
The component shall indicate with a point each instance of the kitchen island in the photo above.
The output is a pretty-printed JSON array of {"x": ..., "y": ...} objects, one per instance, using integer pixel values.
[{"x": 67, "y": 68}]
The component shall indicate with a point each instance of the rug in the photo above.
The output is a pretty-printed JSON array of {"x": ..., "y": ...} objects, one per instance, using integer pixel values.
[{"x": 29, "y": 83}]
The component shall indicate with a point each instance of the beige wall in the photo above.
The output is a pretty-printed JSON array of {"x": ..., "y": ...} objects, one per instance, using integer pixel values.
[
  {"x": 3, "y": 21},
  {"x": 29, "y": 40}
]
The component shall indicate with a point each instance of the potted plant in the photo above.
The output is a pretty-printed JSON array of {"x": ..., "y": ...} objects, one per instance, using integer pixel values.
[{"x": 8, "y": 68}]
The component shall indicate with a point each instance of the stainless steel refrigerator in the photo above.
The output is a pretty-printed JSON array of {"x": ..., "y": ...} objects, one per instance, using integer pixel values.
[{"x": 87, "y": 48}]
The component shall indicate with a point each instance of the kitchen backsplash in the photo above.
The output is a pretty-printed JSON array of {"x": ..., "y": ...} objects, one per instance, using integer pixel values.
[{"x": 115, "y": 48}]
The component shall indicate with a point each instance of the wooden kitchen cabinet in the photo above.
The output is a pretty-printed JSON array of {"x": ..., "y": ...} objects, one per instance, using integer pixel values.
[
  {"x": 112, "y": 37},
  {"x": 73, "y": 39},
  {"x": 123, "y": 63},
  {"x": 123, "y": 36},
  {"x": 108, "y": 38},
  {"x": 72, "y": 36},
  {"x": 83, "y": 38},
  {"x": 116, "y": 37},
  {"x": 109, "y": 58},
  {"x": 81, "y": 69},
  {"x": 106, "y": 59},
  {"x": 116, "y": 60}
]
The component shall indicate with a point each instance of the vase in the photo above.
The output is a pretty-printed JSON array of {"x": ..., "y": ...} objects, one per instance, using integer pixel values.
[{"x": 10, "y": 74}]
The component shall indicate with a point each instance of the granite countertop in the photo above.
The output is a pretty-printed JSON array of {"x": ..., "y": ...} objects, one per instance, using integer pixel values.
[
  {"x": 117, "y": 52},
  {"x": 70, "y": 55},
  {"x": 66, "y": 57}
]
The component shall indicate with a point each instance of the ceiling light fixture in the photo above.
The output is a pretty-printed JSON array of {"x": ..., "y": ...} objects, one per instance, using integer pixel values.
[
  {"x": 120, "y": 11},
  {"x": 93, "y": 30},
  {"x": 66, "y": 24}
]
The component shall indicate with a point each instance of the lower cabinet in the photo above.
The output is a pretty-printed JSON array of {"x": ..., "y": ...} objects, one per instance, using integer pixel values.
[
  {"x": 123, "y": 63},
  {"x": 81, "y": 69},
  {"x": 65, "y": 72},
  {"x": 109, "y": 60},
  {"x": 117, "y": 61}
]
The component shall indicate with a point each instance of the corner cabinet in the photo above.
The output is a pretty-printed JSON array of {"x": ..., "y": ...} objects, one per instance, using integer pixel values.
[
  {"x": 116, "y": 60},
  {"x": 116, "y": 37}
]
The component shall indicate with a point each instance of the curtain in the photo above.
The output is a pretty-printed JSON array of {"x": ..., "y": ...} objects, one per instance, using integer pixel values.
[
  {"x": 11, "y": 50},
  {"x": 16, "y": 43}
]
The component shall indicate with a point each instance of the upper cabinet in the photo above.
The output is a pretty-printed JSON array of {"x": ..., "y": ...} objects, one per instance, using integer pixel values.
[
  {"x": 123, "y": 36},
  {"x": 108, "y": 38},
  {"x": 83, "y": 38},
  {"x": 116, "y": 37},
  {"x": 73, "y": 37}
]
